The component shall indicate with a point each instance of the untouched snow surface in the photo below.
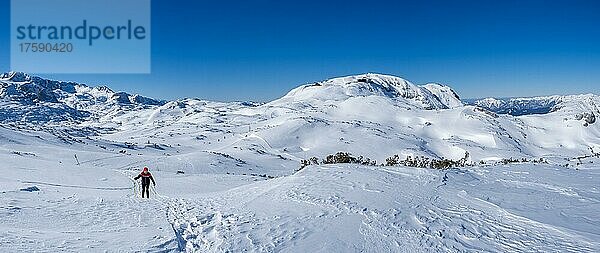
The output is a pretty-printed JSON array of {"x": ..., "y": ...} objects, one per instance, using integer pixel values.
[{"x": 227, "y": 179}]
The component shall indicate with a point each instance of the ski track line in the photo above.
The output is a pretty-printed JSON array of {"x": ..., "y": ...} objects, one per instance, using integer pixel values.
[
  {"x": 255, "y": 136},
  {"x": 196, "y": 231},
  {"x": 182, "y": 223},
  {"x": 201, "y": 228},
  {"x": 72, "y": 229},
  {"x": 129, "y": 165},
  {"x": 444, "y": 226},
  {"x": 100, "y": 159}
]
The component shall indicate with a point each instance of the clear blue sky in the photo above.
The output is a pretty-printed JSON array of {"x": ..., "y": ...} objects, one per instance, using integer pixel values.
[{"x": 258, "y": 50}]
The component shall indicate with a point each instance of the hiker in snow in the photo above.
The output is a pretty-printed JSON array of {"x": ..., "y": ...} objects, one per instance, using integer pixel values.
[{"x": 146, "y": 177}]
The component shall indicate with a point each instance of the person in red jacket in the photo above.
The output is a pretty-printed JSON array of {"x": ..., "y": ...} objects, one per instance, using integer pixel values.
[{"x": 146, "y": 177}]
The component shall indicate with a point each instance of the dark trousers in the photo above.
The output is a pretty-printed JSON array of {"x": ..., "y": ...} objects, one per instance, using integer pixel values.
[{"x": 146, "y": 189}]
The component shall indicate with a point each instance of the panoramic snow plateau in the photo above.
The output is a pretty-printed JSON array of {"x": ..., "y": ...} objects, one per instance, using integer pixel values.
[{"x": 365, "y": 163}]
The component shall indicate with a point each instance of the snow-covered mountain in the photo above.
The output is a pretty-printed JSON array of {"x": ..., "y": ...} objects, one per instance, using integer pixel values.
[
  {"x": 520, "y": 106},
  {"x": 360, "y": 114},
  {"x": 445, "y": 94},
  {"x": 430, "y": 96},
  {"x": 541, "y": 105},
  {"x": 228, "y": 178},
  {"x": 32, "y": 99}
]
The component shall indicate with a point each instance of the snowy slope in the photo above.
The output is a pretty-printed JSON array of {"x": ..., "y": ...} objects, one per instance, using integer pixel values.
[
  {"x": 239, "y": 158},
  {"x": 445, "y": 94},
  {"x": 356, "y": 209},
  {"x": 95, "y": 206}
]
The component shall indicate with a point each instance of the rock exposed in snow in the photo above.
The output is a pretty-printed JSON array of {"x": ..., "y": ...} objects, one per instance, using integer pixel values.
[
  {"x": 587, "y": 117},
  {"x": 31, "y": 189}
]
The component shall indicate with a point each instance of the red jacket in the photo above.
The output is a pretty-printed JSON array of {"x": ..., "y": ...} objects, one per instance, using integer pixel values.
[{"x": 146, "y": 177}]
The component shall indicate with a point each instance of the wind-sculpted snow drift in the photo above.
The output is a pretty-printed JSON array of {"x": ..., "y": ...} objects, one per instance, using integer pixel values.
[{"x": 227, "y": 172}]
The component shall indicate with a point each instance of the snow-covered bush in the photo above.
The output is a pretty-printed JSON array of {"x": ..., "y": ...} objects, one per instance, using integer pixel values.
[
  {"x": 392, "y": 160},
  {"x": 426, "y": 162},
  {"x": 339, "y": 157},
  {"x": 310, "y": 161},
  {"x": 343, "y": 157}
]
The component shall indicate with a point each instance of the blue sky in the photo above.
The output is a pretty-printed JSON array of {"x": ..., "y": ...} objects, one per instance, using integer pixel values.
[{"x": 259, "y": 50}]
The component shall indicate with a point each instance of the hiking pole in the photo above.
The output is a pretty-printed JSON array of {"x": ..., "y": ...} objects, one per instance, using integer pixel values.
[
  {"x": 156, "y": 195},
  {"x": 153, "y": 187}
]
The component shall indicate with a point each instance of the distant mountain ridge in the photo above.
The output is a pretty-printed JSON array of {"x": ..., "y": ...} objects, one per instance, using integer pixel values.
[
  {"x": 51, "y": 100},
  {"x": 540, "y": 105},
  {"x": 32, "y": 98},
  {"x": 370, "y": 114},
  {"x": 28, "y": 90},
  {"x": 19, "y": 85}
]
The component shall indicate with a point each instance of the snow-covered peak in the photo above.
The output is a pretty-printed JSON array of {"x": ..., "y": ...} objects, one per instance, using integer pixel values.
[
  {"x": 28, "y": 98},
  {"x": 445, "y": 94},
  {"x": 392, "y": 87},
  {"x": 15, "y": 77},
  {"x": 18, "y": 85},
  {"x": 27, "y": 88}
]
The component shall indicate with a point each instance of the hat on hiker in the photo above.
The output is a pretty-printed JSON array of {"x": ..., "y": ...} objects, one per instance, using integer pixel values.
[{"x": 145, "y": 169}]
